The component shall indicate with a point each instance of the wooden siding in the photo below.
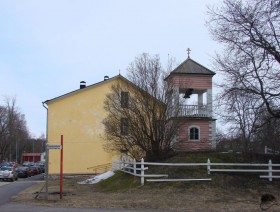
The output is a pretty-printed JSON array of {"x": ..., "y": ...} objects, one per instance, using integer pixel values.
[
  {"x": 203, "y": 144},
  {"x": 196, "y": 82}
]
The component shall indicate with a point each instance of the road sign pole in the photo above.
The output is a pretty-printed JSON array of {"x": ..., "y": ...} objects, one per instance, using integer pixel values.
[
  {"x": 47, "y": 173},
  {"x": 61, "y": 167}
]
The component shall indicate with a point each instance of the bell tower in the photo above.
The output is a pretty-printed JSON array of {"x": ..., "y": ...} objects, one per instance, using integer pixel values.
[{"x": 190, "y": 105}]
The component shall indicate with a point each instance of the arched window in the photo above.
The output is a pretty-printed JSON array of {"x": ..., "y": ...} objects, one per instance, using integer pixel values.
[{"x": 194, "y": 133}]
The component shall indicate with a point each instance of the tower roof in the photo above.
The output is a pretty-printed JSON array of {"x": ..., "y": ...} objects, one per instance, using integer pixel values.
[{"x": 190, "y": 67}]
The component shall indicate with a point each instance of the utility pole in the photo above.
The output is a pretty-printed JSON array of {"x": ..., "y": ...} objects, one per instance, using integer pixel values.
[
  {"x": 33, "y": 150},
  {"x": 16, "y": 151}
]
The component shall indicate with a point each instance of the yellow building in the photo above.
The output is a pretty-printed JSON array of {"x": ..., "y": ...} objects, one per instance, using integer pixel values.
[{"x": 78, "y": 116}]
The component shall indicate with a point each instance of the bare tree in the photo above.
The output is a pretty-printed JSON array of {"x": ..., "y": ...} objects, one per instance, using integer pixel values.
[
  {"x": 244, "y": 115},
  {"x": 269, "y": 133},
  {"x": 3, "y": 132},
  {"x": 13, "y": 131},
  {"x": 250, "y": 63},
  {"x": 137, "y": 112}
]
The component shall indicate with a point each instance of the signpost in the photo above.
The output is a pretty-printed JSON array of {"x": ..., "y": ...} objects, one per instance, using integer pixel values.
[
  {"x": 60, "y": 147},
  {"x": 54, "y": 147},
  {"x": 61, "y": 166}
]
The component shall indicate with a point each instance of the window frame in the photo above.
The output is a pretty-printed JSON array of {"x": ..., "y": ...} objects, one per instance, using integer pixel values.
[
  {"x": 124, "y": 99},
  {"x": 124, "y": 126},
  {"x": 192, "y": 135},
  {"x": 159, "y": 126}
]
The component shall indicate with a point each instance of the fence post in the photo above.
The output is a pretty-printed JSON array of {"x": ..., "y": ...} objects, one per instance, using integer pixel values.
[
  {"x": 265, "y": 150},
  {"x": 123, "y": 164},
  {"x": 142, "y": 171},
  {"x": 119, "y": 165},
  {"x": 208, "y": 166},
  {"x": 270, "y": 170},
  {"x": 134, "y": 167}
]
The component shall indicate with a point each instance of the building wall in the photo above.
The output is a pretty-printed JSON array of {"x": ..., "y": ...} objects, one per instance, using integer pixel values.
[
  {"x": 207, "y": 134},
  {"x": 31, "y": 157},
  {"x": 183, "y": 142},
  {"x": 197, "y": 82},
  {"x": 78, "y": 117}
]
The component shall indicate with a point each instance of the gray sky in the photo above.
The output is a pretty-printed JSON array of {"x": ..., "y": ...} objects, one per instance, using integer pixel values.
[{"x": 48, "y": 47}]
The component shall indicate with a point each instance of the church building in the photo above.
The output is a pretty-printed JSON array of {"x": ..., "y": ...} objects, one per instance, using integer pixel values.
[
  {"x": 78, "y": 116},
  {"x": 190, "y": 95}
]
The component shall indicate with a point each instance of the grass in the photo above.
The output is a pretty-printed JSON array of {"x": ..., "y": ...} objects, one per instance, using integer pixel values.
[
  {"x": 227, "y": 180},
  {"x": 118, "y": 182},
  {"x": 241, "y": 191}
]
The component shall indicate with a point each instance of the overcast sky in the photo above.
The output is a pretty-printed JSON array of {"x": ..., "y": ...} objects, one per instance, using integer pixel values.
[{"x": 48, "y": 47}]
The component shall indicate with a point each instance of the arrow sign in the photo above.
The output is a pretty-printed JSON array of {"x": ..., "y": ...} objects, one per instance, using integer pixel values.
[{"x": 54, "y": 147}]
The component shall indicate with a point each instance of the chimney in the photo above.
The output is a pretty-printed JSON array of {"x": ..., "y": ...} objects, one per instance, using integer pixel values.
[
  {"x": 82, "y": 84},
  {"x": 106, "y": 78}
]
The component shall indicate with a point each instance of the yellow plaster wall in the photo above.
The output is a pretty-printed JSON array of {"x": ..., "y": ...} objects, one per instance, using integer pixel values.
[{"x": 78, "y": 117}]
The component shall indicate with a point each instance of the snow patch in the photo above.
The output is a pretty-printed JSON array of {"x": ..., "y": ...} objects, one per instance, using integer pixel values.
[{"x": 98, "y": 178}]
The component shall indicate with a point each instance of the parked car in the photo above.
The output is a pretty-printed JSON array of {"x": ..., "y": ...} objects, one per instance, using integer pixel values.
[
  {"x": 6, "y": 164},
  {"x": 42, "y": 166},
  {"x": 14, "y": 164},
  {"x": 27, "y": 163},
  {"x": 23, "y": 171},
  {"x": 34, "y": 170},
  {"x": 8, "y": 173},
  {"x": 39, "y": 168}
]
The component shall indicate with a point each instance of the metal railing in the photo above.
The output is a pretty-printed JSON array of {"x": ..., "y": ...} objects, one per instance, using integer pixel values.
[{"x": 101, "y": 168}]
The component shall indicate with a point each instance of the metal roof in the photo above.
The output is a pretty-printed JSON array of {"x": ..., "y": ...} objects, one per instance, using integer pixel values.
[{"x": 190, "y": 66}]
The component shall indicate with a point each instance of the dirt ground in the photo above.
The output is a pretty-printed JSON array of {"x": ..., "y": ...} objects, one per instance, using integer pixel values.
[{"x": 198, "y": 198}]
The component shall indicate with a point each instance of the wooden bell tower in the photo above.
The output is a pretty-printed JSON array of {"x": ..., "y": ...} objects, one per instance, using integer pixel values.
[{"x": 190, "y": 105}]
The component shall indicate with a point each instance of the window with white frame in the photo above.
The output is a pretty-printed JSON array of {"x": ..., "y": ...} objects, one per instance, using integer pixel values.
[{"x": 194, "y": 133}]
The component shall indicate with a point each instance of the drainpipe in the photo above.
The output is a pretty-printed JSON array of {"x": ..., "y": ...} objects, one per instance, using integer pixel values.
[
  {"x": 45, "y": 106},
  {"x": 47, "y": 154}
]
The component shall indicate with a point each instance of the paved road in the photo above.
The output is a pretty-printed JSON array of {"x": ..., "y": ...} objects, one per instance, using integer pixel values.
[
  {"x": 10, "y": 189},
  {"x": 15, "y": 207}
]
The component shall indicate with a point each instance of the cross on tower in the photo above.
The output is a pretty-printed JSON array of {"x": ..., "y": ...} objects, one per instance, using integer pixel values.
[{"x": 188, "y": 50}]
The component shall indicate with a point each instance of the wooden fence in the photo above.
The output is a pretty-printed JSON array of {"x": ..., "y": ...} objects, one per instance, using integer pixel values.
[
  {"x": 270, "y": 151},
  {"x": 138, "y": 169}
]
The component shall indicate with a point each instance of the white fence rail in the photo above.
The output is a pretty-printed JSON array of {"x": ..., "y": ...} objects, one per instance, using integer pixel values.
[
  {"x": 270, "y": 151},
  {"x": 138, "y": 169}
]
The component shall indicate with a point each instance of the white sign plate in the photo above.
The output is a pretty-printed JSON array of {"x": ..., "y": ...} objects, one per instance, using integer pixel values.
[{"x": 54, "y": 147}]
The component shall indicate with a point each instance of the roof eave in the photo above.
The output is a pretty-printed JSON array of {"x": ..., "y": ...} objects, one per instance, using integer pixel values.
[
  {"x": 79, "y": 90},
  {"x": 175, "y": 71}
]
